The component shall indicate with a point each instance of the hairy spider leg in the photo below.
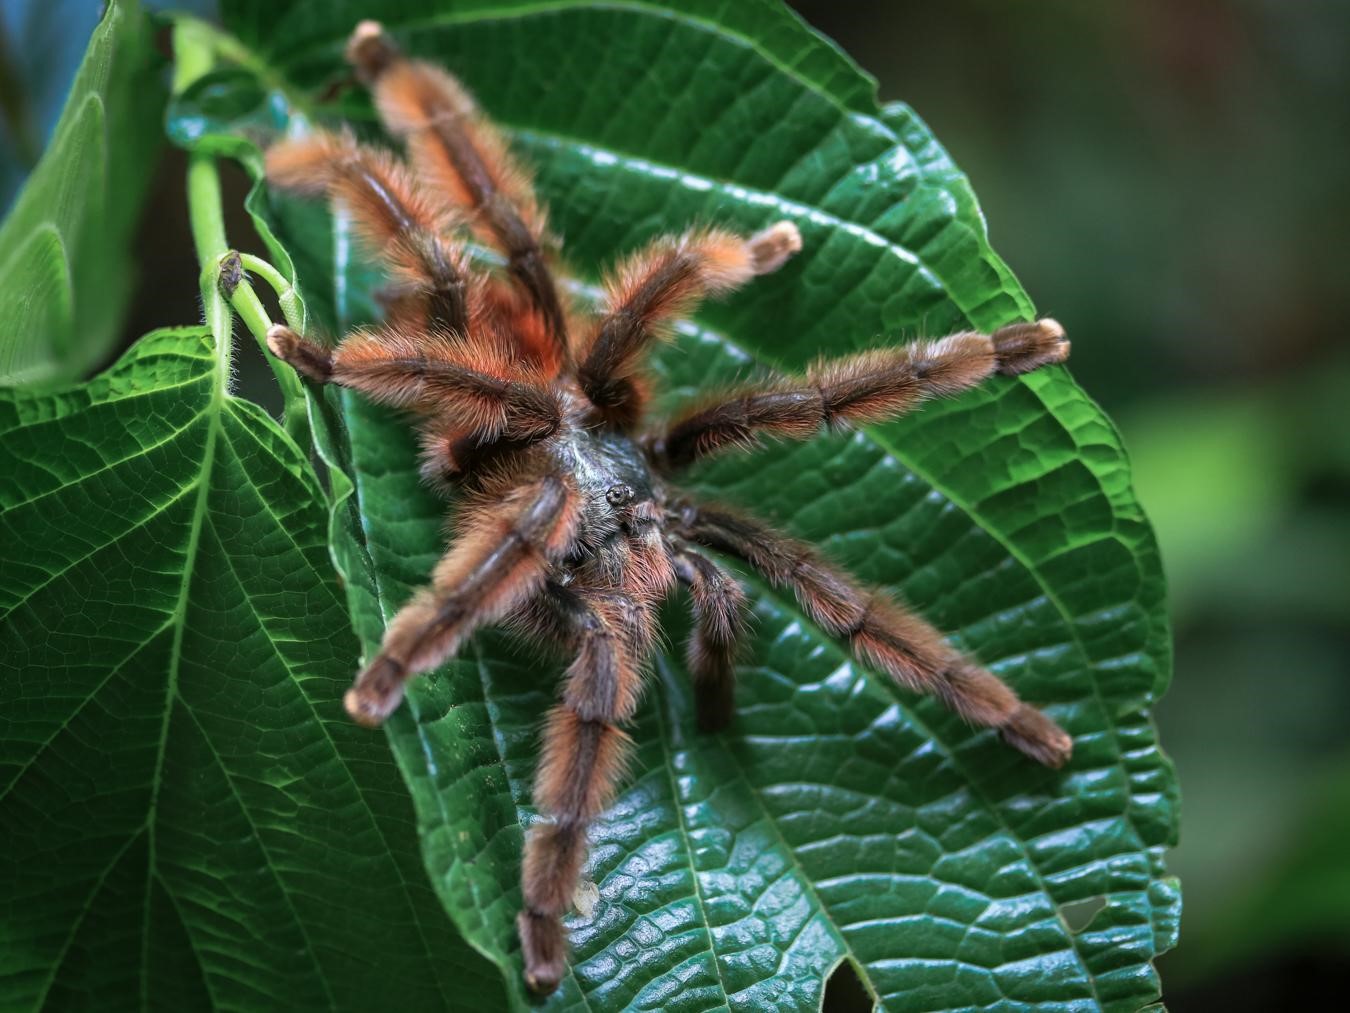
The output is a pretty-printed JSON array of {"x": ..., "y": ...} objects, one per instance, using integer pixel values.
[
  {"x": 609, "y": 632},
  {"x": 396, "y": 221},
  {"x": 454, "y": 149},
  {"x": 506, "y": 545},
  {"x": 567, "y": 532},
  {"x": 880, "y": 630},
  {"x": 652, "y": 288},
  {"x": 719, "y": 624},
  {"x": 430, "y": 374},
  {"x": 868, "y": 387}
]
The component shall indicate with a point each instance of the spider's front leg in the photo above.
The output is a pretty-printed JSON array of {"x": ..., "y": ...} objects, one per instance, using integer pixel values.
[
  {"x": 867, "y": 387},
  {"x": 664, "y": 281},
  {"x": 455, "y": 150},
  {"x": 879, "y": 629},
  {"x": 396, "y": 220},
  {"x": 583, "y": 756},
  {"x": 505, "y": 547}
]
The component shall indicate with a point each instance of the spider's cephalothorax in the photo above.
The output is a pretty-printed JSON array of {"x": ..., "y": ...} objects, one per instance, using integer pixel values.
[{"x": 571, "y": 529}]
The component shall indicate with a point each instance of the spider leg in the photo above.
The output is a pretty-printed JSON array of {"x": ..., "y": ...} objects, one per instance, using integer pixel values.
[
  {"x": 868, "y": 387},
  {"x": 658, "y": 284},
  {"x": 456, "y": 150},
  {"x": 499, "y": 560},
  {"x": 394, "y": 219},
  {"x": 879, "y": 629},
  {"x": 719, "y": 622},
  {"x": 584, "y": 754},
  {"x": 442, "y": 377}
]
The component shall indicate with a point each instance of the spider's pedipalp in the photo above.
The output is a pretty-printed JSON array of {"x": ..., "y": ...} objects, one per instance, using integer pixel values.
[
  {"x": 879, "y": 629},
  {"x": 396, "y": 220},
  {"x": 463, "y": 156},
  {"x": 867, "y": 387},
  {"x": 500, "y": 559},
  {"x": 658, "y": 284},
  {"x": 719, "y": 622}
]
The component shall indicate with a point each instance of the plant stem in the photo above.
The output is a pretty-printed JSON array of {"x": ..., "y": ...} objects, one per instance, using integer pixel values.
[
  {"x": 192, "y": 50},
  {"x": 208, "y": 235},
  {"x": 289, "y": 299}
]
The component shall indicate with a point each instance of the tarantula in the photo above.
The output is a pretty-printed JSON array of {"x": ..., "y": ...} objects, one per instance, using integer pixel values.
[{"x": 571, "y": 529}]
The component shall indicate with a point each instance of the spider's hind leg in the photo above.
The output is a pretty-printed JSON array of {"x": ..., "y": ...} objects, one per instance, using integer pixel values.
[
  {"x": 719, "y": 623},
  {"x": 866, "y": 387},
  {"x": 879, "y": 629},
  {"x": 403, "y": 224},
  {"x": 657, "y": 284},
  {"x": 583, "y": 756},
  {"x": 309, "y": 358}
]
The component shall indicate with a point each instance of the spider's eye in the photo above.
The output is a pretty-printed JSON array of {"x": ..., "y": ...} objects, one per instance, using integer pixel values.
[{"x": 619, "y": 495}]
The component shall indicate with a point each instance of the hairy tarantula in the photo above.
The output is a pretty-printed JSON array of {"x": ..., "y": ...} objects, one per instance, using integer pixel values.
[{"x": 571, "y": 528}]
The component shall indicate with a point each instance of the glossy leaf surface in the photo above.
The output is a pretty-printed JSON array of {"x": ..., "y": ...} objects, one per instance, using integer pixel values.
[
  {"x": 838, "y": 818},
  {"x": 189, "y": 819},
  {"x": 64, "y": 270}
]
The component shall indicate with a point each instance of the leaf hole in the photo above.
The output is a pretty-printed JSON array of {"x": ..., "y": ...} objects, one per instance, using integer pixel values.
[
  {"x": 845, "y": 992},
  {"x": 1078, "y": 914}
]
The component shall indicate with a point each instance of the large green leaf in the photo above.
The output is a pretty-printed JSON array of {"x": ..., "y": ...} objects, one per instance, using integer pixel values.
[
  {"x": 64, "y": 270},
  {"x": 189, "y": 818},
  {"x": 839, "y": 818}
]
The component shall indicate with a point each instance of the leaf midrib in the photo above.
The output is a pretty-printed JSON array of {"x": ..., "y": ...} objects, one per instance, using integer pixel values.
[{"x": 179, "y": 620}]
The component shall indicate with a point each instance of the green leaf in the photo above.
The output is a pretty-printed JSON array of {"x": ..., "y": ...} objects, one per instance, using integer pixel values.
[
  {"x": 65, "y": 273},
  {"x": 41, "y": 45},
  {"x": 839, "y": 818},
  {"x": 190, "y": 820}
]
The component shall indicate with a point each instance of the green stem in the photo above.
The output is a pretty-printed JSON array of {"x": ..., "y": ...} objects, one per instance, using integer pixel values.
[
  {"x": 192, "y": 50},
  {"x": 208, "y": 235},
  {"x": 289, "y": 299},
  {"x": 245, "y": 301}
]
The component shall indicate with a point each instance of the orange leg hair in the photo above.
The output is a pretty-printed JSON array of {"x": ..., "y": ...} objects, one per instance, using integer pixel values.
[
  {"x": 395, "y": 219},
  {"x": 719, "y": 623},
  {"x": 651, "y": 289},
  {"x": 458, "y": 153},
  {"x": 867, "y": 387},
  {"x": 505, "y": 546},
  {"x": 468, "y": 389},
  {"x": 880, "y": 630},
  {"x": 609, "y": 632}
]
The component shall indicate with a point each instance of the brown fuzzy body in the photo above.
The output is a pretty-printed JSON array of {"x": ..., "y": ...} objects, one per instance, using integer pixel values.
[{"x": 571, "y": 530}]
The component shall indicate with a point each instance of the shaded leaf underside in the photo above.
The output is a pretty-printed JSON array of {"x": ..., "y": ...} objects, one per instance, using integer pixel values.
[
  {"x": 189, "y": 818},
  {"x": 63, "y": 258},
  {"x": 839, "y": 818}
]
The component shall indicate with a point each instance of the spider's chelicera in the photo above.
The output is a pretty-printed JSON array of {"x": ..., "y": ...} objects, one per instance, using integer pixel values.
[{"x": 572, "y": 529}]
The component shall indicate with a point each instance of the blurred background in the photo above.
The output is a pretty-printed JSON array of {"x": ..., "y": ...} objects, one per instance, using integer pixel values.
[{"x": 1172, "y": 181}]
